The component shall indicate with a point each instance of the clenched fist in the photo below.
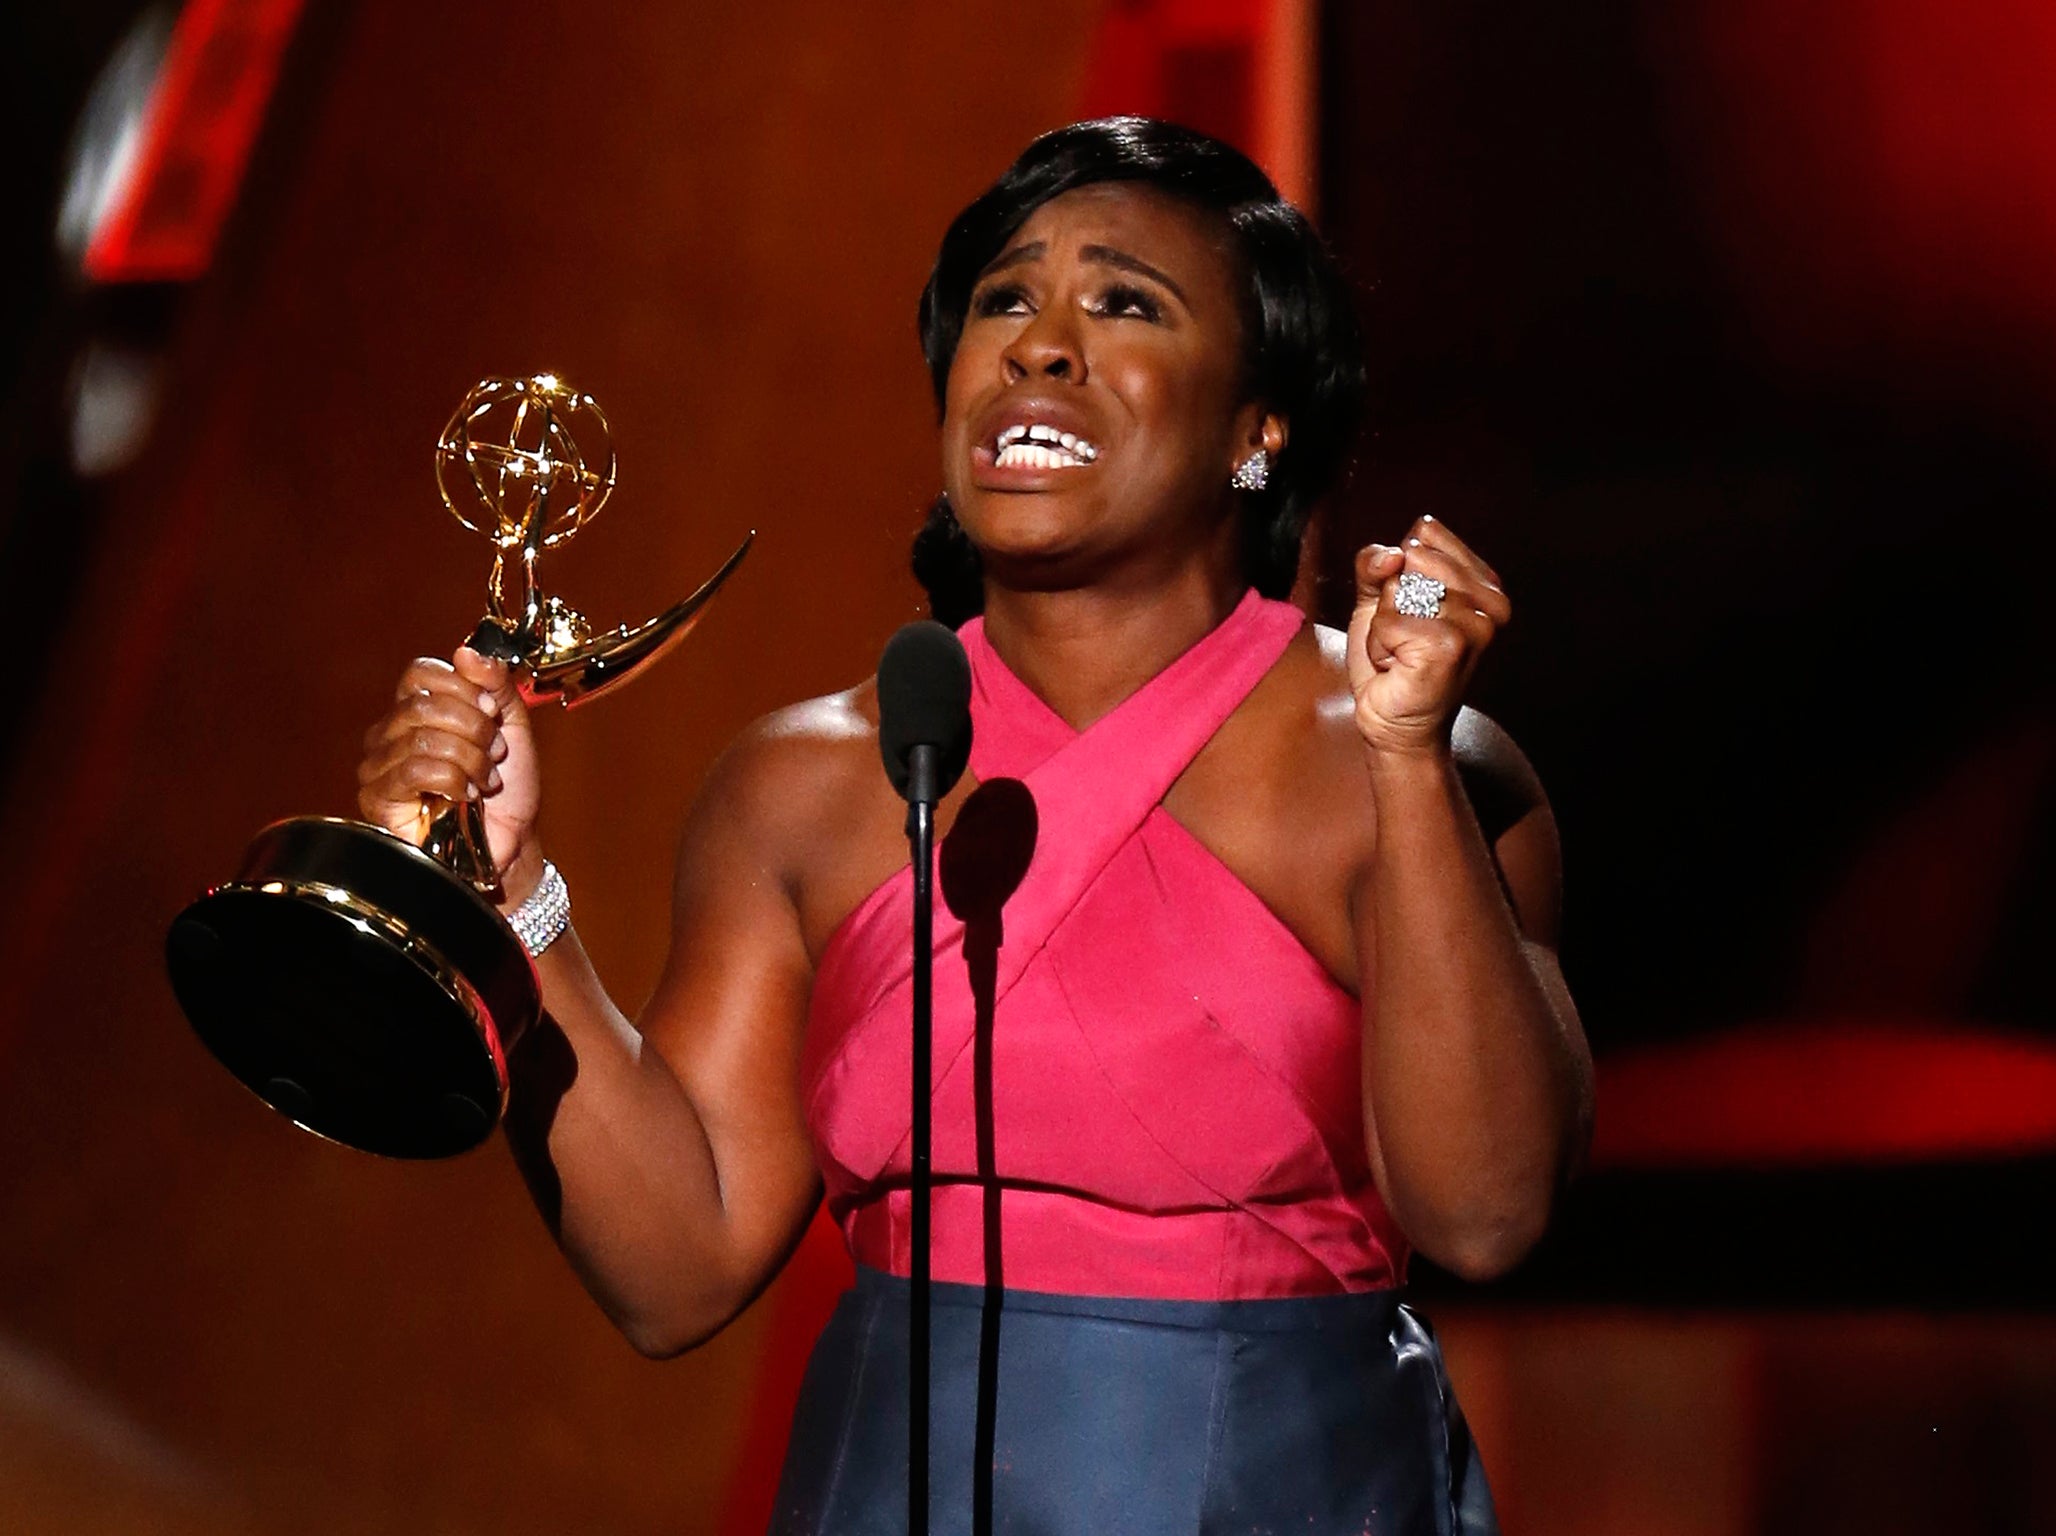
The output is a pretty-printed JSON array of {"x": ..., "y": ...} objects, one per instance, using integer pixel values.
[{"x": 1408, "y": 674}]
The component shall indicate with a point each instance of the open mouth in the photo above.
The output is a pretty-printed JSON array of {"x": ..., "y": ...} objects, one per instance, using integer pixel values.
[{"x": 1026, "y": 446}]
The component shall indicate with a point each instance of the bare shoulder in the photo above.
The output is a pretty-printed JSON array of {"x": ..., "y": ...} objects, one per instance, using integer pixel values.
[
  {"x": 799, "y": 803},
  {"x": 795, "y": 768},
  {"x": 1337, "y": 708},
  {"x": 1334, "y": 705},
  {"x": 813, "y": 729}
]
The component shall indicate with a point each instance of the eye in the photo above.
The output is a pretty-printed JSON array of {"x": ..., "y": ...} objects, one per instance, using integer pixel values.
[
  {"x": 1124, "y": 300},
  {"x": 1001, "y": 299}
]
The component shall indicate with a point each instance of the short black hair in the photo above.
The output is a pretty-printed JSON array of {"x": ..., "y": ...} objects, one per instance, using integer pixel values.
[{"x": 1305, "y": 351}]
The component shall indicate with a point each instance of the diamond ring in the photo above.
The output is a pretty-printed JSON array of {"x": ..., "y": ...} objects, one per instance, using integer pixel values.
[{"x": 1418, "y": 596}]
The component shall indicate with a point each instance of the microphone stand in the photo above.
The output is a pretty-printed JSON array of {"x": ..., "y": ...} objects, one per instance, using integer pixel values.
[{"x": 922, "y": 794}]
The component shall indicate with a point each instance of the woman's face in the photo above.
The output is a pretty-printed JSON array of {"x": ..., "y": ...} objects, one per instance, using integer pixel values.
[{"x": 1094, "y": 409}]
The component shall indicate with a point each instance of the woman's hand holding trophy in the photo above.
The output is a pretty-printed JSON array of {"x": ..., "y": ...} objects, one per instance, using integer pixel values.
[
  {"x": 458, "y": 731},
  {"x": 369, "y": 979}
]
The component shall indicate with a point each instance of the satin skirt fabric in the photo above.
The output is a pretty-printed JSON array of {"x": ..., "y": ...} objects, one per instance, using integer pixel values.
[{"x": 1316, "y": 1416}]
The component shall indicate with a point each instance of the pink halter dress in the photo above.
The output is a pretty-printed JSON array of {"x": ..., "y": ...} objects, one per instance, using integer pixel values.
[
  {"x": 1175, "y": 1096},
  {"x": 1165, "y": 1273}
]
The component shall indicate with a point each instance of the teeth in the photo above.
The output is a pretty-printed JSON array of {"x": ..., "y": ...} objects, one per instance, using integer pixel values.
[
  {"x": 1037, "y": 445},
  {"x": 1019, "y": 455}
]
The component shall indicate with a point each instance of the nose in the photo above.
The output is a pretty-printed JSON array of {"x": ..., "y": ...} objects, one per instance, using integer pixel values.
[{"x": 1046, "y": 347}]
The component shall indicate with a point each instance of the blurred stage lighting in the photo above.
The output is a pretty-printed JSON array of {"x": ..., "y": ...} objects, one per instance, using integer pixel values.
[
  {"x": 107, "y": 142},
  {"x": 113, "y": 403},
  {"x": 166, "y": 135}
]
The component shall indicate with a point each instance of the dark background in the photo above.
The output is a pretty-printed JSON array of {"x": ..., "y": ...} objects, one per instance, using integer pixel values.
[{"x": 1743, "y": 379}]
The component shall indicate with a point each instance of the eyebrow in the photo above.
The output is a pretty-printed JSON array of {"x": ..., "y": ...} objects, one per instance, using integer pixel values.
[{"x": 1098, "y": 255}]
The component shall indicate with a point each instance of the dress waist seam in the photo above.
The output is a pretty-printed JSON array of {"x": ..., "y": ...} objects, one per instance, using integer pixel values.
[{"x": 1348, "y": 1311}]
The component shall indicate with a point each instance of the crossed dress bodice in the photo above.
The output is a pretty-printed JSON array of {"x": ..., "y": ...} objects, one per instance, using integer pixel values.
[{"x": 1144, "y": 1084}]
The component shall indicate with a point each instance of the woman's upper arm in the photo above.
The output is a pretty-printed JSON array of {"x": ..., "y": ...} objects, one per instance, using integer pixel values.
[
  {"x": 730, "y": 1009},
  {"x": 1519, "y": 827}
]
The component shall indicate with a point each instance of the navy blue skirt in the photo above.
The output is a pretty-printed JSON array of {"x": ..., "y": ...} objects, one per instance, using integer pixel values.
[{"x": 1119, "y": 1417}]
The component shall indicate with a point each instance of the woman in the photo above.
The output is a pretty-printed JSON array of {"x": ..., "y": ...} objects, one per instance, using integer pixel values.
[{"x": 1267, "y": 1008}]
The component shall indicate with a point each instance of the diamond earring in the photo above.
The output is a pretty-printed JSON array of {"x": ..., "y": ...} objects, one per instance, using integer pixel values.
[{"x": 1253, "y": 473}]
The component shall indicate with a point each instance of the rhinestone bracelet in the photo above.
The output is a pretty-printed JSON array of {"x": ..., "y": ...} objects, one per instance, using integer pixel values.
[{"x": 543, "y": 917}]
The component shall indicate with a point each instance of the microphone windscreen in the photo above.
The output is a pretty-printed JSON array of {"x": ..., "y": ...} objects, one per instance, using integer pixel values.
[{"x": 924, "y": 698}]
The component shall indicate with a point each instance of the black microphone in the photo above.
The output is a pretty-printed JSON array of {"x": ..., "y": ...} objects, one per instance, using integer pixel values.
[
  {"x": 924, "y": 700},
  {"x": 924, "y": 735}
]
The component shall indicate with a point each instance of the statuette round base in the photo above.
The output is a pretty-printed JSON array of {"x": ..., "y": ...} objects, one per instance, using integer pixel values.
[{"x": 309, "y": 978}]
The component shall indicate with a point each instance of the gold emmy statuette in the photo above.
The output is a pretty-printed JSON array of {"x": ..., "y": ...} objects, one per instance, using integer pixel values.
[{"x": 365, "y": 988}]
